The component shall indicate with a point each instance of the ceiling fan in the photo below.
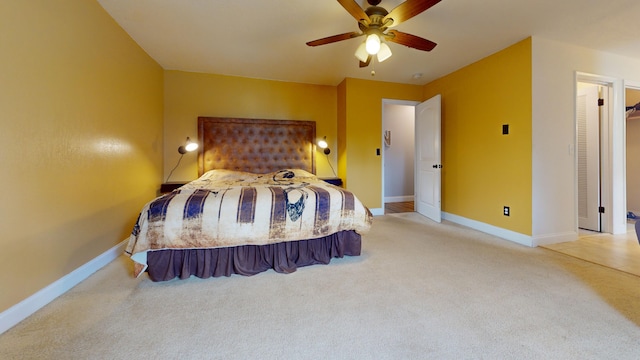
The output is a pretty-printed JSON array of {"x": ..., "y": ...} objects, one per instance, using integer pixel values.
[{"x": 375, "y": 23}]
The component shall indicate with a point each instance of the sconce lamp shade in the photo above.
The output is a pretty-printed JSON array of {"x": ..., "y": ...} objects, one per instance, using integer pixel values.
[
  {"x": 188, "y": 146},
  {"x": 323, "y": 145}
]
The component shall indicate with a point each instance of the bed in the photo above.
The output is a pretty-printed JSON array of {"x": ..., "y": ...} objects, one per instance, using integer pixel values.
[{"x": 256, "y": 205}]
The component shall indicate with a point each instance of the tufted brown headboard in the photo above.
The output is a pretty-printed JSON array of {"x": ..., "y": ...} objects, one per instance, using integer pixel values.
[{"x": 255, "y": 145}]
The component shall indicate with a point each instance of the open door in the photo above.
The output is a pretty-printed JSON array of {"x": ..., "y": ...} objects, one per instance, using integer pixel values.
[{"x": 428, "y": 159}]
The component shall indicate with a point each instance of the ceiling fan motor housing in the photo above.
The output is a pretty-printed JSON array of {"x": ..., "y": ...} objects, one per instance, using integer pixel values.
[{"x": 376, "y": 14}]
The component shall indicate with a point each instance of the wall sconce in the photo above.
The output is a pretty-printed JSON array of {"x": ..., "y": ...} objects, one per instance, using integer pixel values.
[
  {"x": 188, "y": 146},
  {"x": 323, "y": 145}
]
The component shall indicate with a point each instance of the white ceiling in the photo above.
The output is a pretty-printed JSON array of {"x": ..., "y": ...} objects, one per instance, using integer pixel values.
[{"x": 267, "y": 39}]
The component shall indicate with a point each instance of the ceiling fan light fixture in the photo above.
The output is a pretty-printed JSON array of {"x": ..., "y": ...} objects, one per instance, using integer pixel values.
[
  {"x": 373, "y": 44},
  {"x": 374, "y": 22},
  {"x": 384, "y": 53},
  {"x": 361, "y": 52}
]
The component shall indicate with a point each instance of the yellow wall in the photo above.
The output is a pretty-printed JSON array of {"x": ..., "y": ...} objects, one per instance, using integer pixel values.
[
  {"x": 352, "y": 122},
  {"x": 81, "y": 138},
  {"x": 484, "y": 170},
  {"x": 189, "y": 95},
  {"x": 342, "y": 131},
  {"x": 363, "y": 129}
]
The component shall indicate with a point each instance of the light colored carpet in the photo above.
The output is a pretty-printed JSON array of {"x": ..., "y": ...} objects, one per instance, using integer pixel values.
[{"x": 420, "y": 290}]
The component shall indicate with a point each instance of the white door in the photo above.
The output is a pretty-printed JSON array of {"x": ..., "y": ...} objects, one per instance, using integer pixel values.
[
  {"x": 588, "y": 152},
  {"x": 427, "y": 158}
]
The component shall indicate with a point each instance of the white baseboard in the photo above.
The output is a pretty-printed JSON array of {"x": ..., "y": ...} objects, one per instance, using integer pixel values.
[
  {"x": 491, "y": 229},
  {"x": 15, "y": 314},
  {"x": 377, "y": 211},
  {"x": 532, "y": 241},
  {"x": 398, "y": 198},
  {"x": 522, "y": 239},
  {"x": 554, "y": 238}
]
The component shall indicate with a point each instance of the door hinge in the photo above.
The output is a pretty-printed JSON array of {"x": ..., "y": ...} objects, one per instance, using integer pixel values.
[
  {"x": 601, "y": 209},
  {"x": 600, "y": 102}
]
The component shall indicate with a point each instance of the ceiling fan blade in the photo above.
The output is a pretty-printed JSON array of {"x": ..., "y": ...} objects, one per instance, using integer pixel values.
[
  {"x": 365, "y": 64},
  {"x": 334, "y": 38},
  {"x": 407, "y": 10},
  {"x": 355, "y": 10},
  {"x": 409, "y": 40}
]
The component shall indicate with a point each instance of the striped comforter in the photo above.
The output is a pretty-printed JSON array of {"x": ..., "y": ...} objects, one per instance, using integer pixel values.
[{"x": 225, "y": 208}]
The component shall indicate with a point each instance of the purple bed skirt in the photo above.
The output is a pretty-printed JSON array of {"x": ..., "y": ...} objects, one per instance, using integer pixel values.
[{"x": 284, "y": 257}]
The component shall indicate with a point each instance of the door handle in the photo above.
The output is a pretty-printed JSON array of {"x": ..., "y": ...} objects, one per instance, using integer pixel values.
[{"x": 437, "y": 166}]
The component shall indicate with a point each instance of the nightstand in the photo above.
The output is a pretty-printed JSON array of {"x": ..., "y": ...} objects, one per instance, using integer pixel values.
[
  {"x": 332, "y": 180},
  {"x": 170, "y": 186}
]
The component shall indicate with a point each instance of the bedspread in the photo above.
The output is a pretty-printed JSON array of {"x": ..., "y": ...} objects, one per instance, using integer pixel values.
[{"x": 225, "y": 208}]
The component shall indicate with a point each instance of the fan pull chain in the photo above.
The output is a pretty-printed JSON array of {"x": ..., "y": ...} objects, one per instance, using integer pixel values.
[{"x": 373, "y": 66}]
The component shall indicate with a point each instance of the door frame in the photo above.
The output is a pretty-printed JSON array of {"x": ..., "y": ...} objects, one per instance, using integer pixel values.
[
  {"x": 382, "y": 120},
  {"x": 613, "y": 170},
  {"x": 634, "y": 85}
]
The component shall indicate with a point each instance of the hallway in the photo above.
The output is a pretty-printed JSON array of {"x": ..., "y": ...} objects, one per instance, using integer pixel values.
[{"x": 398, "y": 207}]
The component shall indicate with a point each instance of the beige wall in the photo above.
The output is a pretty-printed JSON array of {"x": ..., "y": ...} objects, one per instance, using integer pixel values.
[
  {"x": 554, "y": 67},
  {"x": 81, "y": 138},
  {"x": 189, "y": 95}
]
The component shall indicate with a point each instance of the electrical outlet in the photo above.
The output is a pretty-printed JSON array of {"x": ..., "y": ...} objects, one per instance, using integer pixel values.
[{"x": 506, "y": 211}]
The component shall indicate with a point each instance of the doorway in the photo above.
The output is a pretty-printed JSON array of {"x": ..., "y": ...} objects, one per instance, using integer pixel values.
[
  {"x": 613, "y": 154},
  {"x": 424, "y": 157},
  {"x": 611, "y": 168},
  {"x": 632, "y": 101},
  {"x": 398, "y": 152}
]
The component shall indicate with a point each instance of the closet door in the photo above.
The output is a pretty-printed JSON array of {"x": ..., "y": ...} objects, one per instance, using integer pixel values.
[{"x": 588, "y": 151}]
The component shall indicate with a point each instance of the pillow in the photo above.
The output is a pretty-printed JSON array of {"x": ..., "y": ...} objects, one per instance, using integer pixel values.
[{"x": 293, "y": 175}]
